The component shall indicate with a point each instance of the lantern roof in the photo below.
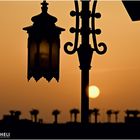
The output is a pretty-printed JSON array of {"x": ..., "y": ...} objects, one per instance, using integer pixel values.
[
  {"x": 44, "y": 19},
  {"x": 44, "y": 16}
]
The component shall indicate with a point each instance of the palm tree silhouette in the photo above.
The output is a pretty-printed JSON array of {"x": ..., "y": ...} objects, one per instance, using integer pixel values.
[
  {"x": 74, "y": 112},
  {"x": 96, "y": 113},
  {"x": 34, "y": 113},
  {"x": 12, "y": 112},
  {"x": 31, "y": 113},
  {"x": 116, "y": 115},
  {"x": 55, "y": 113},
  {"x": 90, "y": 112},
  {"x": 109, "y": 113},
  {"x": 17, "y": 114}
]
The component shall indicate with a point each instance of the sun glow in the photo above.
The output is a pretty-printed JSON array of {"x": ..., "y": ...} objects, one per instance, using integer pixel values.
[{"x": 94, "y": 92}]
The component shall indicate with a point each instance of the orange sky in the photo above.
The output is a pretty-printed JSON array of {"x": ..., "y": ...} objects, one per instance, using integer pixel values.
[{"x": 117, "y": 73}]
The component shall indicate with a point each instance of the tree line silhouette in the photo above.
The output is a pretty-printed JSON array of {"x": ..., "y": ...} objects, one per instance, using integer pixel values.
[
  {"x": 36, "y": 128},
  {"x": 93, "y": 113}
]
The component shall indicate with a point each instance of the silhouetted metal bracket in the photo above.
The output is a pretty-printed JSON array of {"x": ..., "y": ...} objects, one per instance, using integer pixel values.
[
  {"x": 133, "y": 9},
  {"x": 97, "y": 32},
  {"x": 93, "y": 31},
  {"x": 74, "y": 30}
]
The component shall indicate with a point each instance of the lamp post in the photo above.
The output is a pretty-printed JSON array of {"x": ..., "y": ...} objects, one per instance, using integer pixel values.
[
  {"x": 43, "y": 56},
  {"x": 85, "y": 50}
]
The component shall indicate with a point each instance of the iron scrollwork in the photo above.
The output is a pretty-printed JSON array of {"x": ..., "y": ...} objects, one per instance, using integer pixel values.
[
  {"x": 93, "y": 31},
  {"x": 74, "y": 30},
  {"x": 97, "y": 31}
]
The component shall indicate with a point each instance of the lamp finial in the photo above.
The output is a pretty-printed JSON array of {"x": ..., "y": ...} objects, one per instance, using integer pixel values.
[{"x": 44, "y": 6}]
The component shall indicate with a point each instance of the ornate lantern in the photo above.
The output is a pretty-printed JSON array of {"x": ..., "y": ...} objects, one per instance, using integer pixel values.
[{"x": 43, "y": 46}]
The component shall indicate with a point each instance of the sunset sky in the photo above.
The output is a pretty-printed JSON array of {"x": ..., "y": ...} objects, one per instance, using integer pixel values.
[{"x": 117, "y": 73}]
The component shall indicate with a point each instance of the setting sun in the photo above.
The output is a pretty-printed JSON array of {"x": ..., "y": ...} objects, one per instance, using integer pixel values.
[{"x": 94, "y": 91}]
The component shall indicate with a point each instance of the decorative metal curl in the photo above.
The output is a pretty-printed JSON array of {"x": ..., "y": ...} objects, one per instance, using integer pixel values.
[
  {"x": 97, "y": 31},
  {"x": 69, "y": 44}
]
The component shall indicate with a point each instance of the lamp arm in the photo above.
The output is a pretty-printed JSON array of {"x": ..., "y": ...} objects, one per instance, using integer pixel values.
[
  {"x": 74, "y": 30},
  {"x": 97, "y": 31}
]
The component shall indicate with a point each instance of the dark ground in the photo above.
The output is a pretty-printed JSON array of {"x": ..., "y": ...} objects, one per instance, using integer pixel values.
[{"x": 24, "y": 129}]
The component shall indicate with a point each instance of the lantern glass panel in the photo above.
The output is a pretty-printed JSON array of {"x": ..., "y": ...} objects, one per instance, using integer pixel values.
[
  {"x": 32, "y": 53},
  {"x": 44, "y": 55}
]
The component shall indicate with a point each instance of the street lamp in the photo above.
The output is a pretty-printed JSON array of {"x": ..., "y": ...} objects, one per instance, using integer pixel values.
[
  {"x": 85, "y": 51},
  {"x": 44, "y": 33},
  {"x": 43, "y": 46}
]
